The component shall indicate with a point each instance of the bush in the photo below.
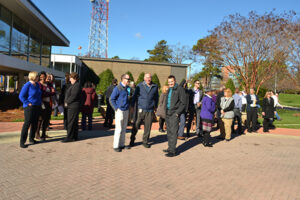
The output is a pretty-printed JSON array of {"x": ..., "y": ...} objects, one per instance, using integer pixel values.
[
  {"x": 230, "y": 85},
  {"x": 155, "y": 80},
  {"x": 140, "y": 78},
  {"x": 106, "y": 78}
]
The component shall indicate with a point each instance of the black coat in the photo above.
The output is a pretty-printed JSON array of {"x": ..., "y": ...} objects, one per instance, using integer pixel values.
[
  {"x": 62, "y": 96},
  {"x": 73, "y": 95},
  {"x": 178, "y": 100},
  {"x": 268, "y": 107}
]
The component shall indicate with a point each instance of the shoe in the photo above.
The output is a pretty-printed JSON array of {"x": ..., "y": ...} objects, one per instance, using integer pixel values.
[
  {"x": 67, "y": 140},
  {"x": 131, "y": 144},
  {"x": 23, "y": 146},
  {"x": 266, "y": 131},
  {"x": 220, "y": 138},
  {"x": 161, "y": 130},
  {"x": 208, "y": 145},
  {"x": 125, "y": 147},
  {"x": 165, "y": 150},
  {"x": 249, "y": 131},
  {"x": 146, "y": 145},
  {"x": 105, "y": 125},
  {"x": 32, "y": 142},
  {"x": 181, "y": 138},
  {"x": 227, "y": 140},
  {"x": 117, "y": 149},
  {"x": 188, "y": 135},
  {"x": 169, "y": 154}
]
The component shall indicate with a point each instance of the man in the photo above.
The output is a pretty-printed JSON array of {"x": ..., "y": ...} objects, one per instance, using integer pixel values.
[
  {"x": 176, "y": 101},
  {"x": 61, "y": 100},
  {"x": 182, "y": 118},
  {"x": 195, "y": 99},
  {"x": 146, "y": 95},
  {"x": 109, "y": 117},
  {"x": 120, "y": 103},
  {"x": 237, "y": 111},
  {"x": 252, "y": 108}
]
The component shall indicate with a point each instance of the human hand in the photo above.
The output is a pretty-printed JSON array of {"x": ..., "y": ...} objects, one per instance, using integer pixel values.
[{"x": 263, "y": 113}]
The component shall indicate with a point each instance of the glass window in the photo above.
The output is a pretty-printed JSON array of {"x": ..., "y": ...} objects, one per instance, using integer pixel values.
[
  {"x": 5, "y": 22},
  {"x": 19, "y": 42},
  {"x": 35, "y": 47},
  {"x": 46, "y": 54}
]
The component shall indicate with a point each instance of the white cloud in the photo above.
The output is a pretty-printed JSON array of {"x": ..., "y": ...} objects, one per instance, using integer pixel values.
[{"x": 138, "y": 35}]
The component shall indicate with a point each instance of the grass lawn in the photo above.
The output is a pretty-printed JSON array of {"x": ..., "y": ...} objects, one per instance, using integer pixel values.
[
  {"x": 289, "y": 99},
  {"x": 61, "y": 117},
  {"x": 290, "y": 119}
]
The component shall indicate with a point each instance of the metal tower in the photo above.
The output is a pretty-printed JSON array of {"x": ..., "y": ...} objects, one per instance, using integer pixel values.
[{"x": 98, "y": 38}]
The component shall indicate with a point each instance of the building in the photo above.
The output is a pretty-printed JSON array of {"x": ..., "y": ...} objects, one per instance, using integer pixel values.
[
  {"x": 66, "y": 63},
  {"x": 26, "y": 39},
  {"x": 136, "y": 67}
]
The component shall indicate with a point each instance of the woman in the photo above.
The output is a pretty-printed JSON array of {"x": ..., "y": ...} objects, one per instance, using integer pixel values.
[
  {"x": 207, "y": 116},
  {"x": 227, "y": 114},
  {"x": 47, "y": 93},
  {"x": 89, "y": 96},
  {"x": 160, "y": 110},
  {"x": 72, "y": 102},
  {"x": 30, "y": 96},
  {"x": 268, "y": 111}
]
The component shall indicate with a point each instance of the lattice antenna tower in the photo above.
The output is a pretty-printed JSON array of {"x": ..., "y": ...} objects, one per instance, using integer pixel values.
[{"x": 98, "y": 38}]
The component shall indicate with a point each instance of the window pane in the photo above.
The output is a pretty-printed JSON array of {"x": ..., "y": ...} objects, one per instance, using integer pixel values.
[
  {"x": 46, "y": 51},
  {"x": 5, "y": 22},
  {"x": 19, "y": 42},
  {"x": 34, "y": 47}
]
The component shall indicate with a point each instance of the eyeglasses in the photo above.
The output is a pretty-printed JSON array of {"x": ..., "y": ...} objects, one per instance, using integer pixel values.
[{"x": 127, "y": 79}]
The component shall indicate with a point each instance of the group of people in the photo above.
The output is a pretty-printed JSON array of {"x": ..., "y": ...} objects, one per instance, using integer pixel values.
[
  {"x": 39, "y": 98},
  {"x": 178, "y": 106}
]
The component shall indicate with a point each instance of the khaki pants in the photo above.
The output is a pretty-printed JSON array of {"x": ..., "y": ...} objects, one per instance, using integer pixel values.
[
  {"x": 226, "y": 132},
  {"x": 244, "y": 118},
  {"x": 121, "y": 121}
]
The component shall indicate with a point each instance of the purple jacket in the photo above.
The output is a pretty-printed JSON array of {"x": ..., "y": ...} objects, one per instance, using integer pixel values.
[{"x": 208, "y": 108}]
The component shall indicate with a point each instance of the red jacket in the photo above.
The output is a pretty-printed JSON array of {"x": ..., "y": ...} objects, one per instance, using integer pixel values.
[{"x": 89, "y": 96}]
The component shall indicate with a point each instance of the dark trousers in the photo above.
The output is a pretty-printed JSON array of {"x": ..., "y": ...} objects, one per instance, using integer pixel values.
[
  {"x": 147, "y": 118},
  {"x": 45, "y": 116},
  {"x": 206, "y": 137},
  {"x": 90, "y": 120},
  {"x": 181, "y": 125},
  {"x": 109, "y": 117},
  {"x": 65, "y": 118},
  {"x": 191, "y": 115},
  {"x": 161, "y": 123},
  {"x": 252, "y": 119},
  {"x": 238, "y": 118},
  {"x": 31, "y": 117},
  {"x": 266, "y": 124},
  {"x": 72, "y": 130},
  {"x": 172, "y": 122}
]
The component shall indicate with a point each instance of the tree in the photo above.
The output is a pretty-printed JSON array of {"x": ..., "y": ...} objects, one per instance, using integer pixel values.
[
  {"x": 208, "y": 49},
  {"x": 106, "y": 78},
  {"x": 115, "y": 57},
  {"x": 254, "y": 47},
  {"x": 180, "y": 53},
  {"x": 160, "y": 53},
  {"x": 140, "y": 78},
  {"x": 155, "y": 80},
  {"x": 230, "y": 85},
  {"x": 130, "y": 76}
]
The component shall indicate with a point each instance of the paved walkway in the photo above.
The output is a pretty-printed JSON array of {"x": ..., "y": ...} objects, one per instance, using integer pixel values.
[{"x": 249, "y": 167}]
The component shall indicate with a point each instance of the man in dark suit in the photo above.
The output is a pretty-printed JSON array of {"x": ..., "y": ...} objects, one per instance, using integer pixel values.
[{"x": 176, "y": 101}]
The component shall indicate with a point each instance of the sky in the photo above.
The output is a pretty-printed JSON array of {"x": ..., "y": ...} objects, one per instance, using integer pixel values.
[{"x": 137, "y": 25}]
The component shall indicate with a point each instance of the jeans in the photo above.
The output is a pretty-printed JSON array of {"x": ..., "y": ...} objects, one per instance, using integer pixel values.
[
  {"x": 182, "y": 125},
  {"x": 90, "y": 120}
]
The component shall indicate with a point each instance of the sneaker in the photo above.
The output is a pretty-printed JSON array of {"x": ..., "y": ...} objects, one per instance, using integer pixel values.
[
  {"x": 117, "y": 149},
  {"x": 169, "y": 154},
  {"x": 146, "y": 145}
]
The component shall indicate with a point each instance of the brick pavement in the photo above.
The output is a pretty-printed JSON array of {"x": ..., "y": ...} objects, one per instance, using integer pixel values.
[{"x": 254, "y": 166}]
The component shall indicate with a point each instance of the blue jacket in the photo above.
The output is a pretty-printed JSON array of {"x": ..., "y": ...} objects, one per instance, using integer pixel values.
[
  {"x": 31, "y": 94},
  {"x": 147, "y": 99},
  {"x": 119, "y": 98}
]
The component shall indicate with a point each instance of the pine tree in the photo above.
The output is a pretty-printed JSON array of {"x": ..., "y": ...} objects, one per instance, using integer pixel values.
[
  {"x": 106, "y": 78},
  {"x": 140, "y": 78},
  {"x": 230, "y": 85},
  {"x": 155, "y": 80},
  {"x": 160, "y": 53}
]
